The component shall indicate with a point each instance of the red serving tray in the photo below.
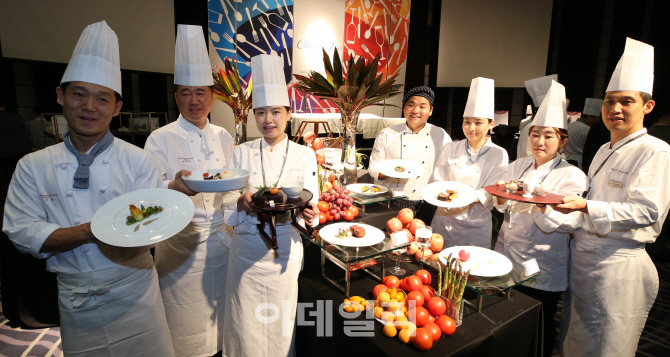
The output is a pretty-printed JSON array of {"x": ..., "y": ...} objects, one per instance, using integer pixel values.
[{"x": 548, "y": 199}]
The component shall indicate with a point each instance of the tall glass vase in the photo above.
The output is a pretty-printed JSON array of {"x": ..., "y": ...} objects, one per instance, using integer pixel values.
[
  {"x": 349, "y": 159},
  {"x": 240, "y": 129}
]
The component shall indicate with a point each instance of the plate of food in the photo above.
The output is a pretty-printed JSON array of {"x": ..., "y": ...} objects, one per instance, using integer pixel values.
[
  {"x": 351, "y": 234},
  {"x": 514, "y": 190},
  {"x": 366, "y": 189},
  {"x": 217, "y": 180},
  {"x": 142, "y": 217},
  {"x": 403, "y": 169},
  {"x": 481, "y": 262},
  {"x": 448, "y": 194}
]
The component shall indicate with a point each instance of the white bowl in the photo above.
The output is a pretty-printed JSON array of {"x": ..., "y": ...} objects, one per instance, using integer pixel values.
[
  {"x": 237, "y": 180},
  {"x": 541, "y": 190},
  {"x": 292, "y": 189}
]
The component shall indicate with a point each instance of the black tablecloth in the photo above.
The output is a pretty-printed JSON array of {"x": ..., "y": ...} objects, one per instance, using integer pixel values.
[{"x": 506, "y": 327}]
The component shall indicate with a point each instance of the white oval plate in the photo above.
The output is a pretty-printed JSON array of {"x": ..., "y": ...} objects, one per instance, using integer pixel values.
[
  {"x": 196, "y": 182},
  {"x": 357, "y": 188},
  {"x": 372, "y": 235},
  {"x": 412, "y": 169},
  {"x": 109, "y": 222},
  {"x": 483, "y": 262},
  {"x": 466, "y": 194}
]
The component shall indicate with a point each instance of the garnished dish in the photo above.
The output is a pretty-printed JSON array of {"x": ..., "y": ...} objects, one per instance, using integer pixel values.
[
  {"x": 217, "y": 176},
  {"x": 373, "y": 189},
  {"x": 448, "y": 195},
  {"x": 139, "y": 214},
  {"x": 354, "y": 231},
  {"x": 399, "y": 169},
  {"x": 511, "y": 186},
  {"x": 481, "y": 262}
]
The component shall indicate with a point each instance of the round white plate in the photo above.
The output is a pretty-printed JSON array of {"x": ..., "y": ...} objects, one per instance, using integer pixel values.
[
  {"x": 412, "y": 169},
  {"x": 483, "y": 262},
  {"x": 109, "y": 222},
  {"x": 372, "y": 235},
  {"x": 357, "y": 188},
  {"x": 196, "y": 182},
  {"x": 466, "y": 194}
]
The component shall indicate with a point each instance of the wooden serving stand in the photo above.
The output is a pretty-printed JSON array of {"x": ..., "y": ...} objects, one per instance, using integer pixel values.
[
  {"x": 282, "y": 205},
  {"x": 547, "y": 199}
]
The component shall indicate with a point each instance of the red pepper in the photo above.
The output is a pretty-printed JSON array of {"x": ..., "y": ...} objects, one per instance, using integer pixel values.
[{"x": 205, "y": 175}]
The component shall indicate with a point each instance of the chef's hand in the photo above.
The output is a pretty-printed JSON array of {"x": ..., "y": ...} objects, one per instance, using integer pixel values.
[
  {"x": 501, "y": 201},
  {"x": 243, "y": 203},
  {"x": 570, "y": 204},
  {"x": 64, "y": 239},
  {"x": 382, "y": 176},
  {"x": 178, "y": 183},
  {"x": 309, "y": 212}
]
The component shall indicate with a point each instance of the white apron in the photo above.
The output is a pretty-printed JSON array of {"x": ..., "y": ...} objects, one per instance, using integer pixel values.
[
  {"x": 612, "y": 289},
  {"x": 470, "y": 224},
  {"x": 192, "y": 265},
  {"x": 192, "y": 277},
  {"x": 113, "y": 311}
]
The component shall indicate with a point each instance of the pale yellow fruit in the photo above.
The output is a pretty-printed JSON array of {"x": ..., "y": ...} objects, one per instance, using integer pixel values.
[
  {"x": 384, "y": 297},
  {"x": 390, "y": 330},
  {"x": 378, "y": 312},
  {"x": 405, "y": 336},
  {"x": 401, "y": 322},
  {"x": 387, "y": 316},
  {"x": 411, "y": 327},
  {"x": 393, "y": 305}
]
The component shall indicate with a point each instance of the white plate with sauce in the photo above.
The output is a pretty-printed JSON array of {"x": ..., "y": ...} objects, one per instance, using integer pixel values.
[
  {"x": 109, "y": 222},
  {"x": 483, "y": 262}
]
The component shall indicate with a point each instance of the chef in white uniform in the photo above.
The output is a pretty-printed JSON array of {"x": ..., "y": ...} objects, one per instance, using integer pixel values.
[
  {"x": 109, "y": 299},
  {"x": 476, "y": 162},
  {"x": 262, "y": 281},
  {"x": 520, "y": 239},
  {"x": 415, "y": 140},
  {"x": 528, "y": 119},
  {"x": 613, "y": 282},
  {"x": 192, "y": 266},
  {"x": 579, "y": 129},
  {"x": 537, "y": 88}
]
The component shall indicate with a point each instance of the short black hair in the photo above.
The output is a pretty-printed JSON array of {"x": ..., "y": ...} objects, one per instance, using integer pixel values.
[
  {"x": 646, "y": 97},
  {"x": 64, "y": 86},
  {"x": 288, "y": 109}
]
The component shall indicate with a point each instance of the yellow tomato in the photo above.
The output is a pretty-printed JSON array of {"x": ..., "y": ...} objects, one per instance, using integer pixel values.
[{"x": 390, "y": 330}]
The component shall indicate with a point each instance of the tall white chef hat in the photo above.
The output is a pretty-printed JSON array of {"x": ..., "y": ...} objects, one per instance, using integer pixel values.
[
  {"x": 96, "y": 58},
  {"x": 269, "y": 82},
  {"x": 538, "y": 87},
  {"x": 552, "y": 112},
  {"x": 191, "y": 60},
  {"x": 480, "y": 99},
  {"x": 635, "y": 70},
  {"x": 592, "y": 106},
  {"x": 529, "y": 110}
]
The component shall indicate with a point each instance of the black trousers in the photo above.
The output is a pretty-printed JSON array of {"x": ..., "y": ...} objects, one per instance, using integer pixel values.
[{"x": 549, "y": 300}]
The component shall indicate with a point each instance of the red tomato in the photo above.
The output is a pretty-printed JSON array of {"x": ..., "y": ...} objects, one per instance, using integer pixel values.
[
  {"x": 423, "y": 340},
  {"x": 431, "y": 317},
  {"x": 402, "y": 286},
  {"x": 434, "y": 330},
  {"x": 355, "y": 210},
  {"x": 322, "y": 218},
  {"x": 419, "y": 316},
  {"x": 348, "y": 215},
  {"x": 427, "y": 292},
  {"x": 437, "y": 306},
  {"x": 329, "y": 216},
  {"x": 323, "y": 206},
  {"x": 425, "y": 276},
  {"x": 413, "y": 283},
  {"x": 446, "y": 324},
  {"x": 391, "y": 281},
  {"x": 415, "y": 296},
  {"x": 378, "y": 289}
]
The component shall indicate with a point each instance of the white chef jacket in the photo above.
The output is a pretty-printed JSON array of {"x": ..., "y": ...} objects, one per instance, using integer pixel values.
[
  {"x": 520, "y": 239},
  {"x": 117, "y": 283},
  {"x": 524, "y": 122},
  {"x": 179, "y": 146},
  {"x": 577, "y": 132},
  {"x": 257, "y": 274},
  {"x": 613, "y": 282},
  {"x": 41, "y": 199},
  {"x": 458, "y": 162},
  {"x": 192, "y": 266},
  {"x": 523, "y": 147},
  {"x": 398, "y": 142}
]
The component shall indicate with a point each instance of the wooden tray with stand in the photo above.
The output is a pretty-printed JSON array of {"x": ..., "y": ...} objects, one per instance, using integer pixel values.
[
  {"x": 281, "y": 206},
  {"x": 547, "y": 199}
]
